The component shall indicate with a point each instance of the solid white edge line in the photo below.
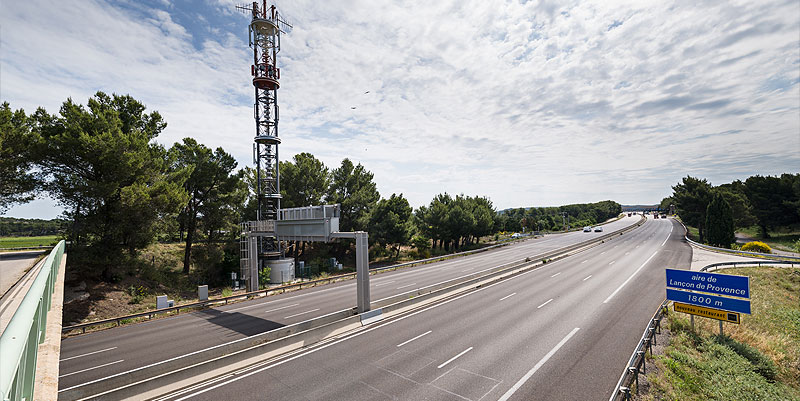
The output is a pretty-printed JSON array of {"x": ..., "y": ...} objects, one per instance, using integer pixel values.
[
  {"x": 302, "y": 313},
  {"x": 87, "y": 354},
  {"x": 548, "y": 301},
  {"x": 454, "y": 358},
  {"x": 415, "y": 338},
  {"x": 508, "y": 296},
  {"x": 629, "y": 278},
  {"x": 96, "y": 367},
  {"x": 538, "y": 365}
]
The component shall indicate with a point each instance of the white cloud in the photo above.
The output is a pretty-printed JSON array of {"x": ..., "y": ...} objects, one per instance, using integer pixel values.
[{"x": 536, "y": 103}]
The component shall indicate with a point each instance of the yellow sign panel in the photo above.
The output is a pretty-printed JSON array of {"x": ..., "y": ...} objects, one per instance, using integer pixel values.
[{"x": 725, "y": 316}]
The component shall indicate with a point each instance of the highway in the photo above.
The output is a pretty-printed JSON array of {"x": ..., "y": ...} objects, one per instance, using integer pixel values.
[
  {"x": 13, "y": 266},
  {"x": 97, "y": 355},
  {"x": 563, "y": 331}
]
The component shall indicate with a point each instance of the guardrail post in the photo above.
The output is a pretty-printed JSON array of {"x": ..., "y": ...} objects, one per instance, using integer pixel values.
[{"x": 644, "y": 368}]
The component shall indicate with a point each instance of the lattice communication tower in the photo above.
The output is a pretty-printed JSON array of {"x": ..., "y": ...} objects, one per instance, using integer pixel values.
[{"x": 265, "y": 31}]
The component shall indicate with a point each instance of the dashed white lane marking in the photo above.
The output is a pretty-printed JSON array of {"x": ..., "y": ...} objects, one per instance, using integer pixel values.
[
  {"x": 585, "y": 261},
  {"x": 87, "y": 354},
  {"x": 454, "y": 358},
  {"x": 301, "y": 313},
  {"x": 415, "y": 338},
  {"x": 612, "y": 262},
  {"x": 96, "y": 367},
  {"x": 508, "y": 296},
  {"x": 388, "y": 282},
  {"x": 629, "y": 278},
  {"x": 406, "y": 286},
  {"x": 282, "y": 307},
  {"x": 587, "y": 277},
  {"x": 548, "y": 301},
  {"x": 538, "y": 365},
  {"x": 556, "y": 274}
]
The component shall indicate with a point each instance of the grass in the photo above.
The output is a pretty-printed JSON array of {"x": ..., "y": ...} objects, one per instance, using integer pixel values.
[
  {"x": 756, "y": 360},
  {"x": 24, "y": 242},
  {"x": 784, "y": 238}
]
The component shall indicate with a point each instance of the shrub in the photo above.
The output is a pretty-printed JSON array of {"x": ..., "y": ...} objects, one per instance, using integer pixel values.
[
  {"x": 263, "y": 277},
  {"x": 756, "y": 246},
  {"x": 137, "y": 293},
  {"x": 226, "y": 292}
]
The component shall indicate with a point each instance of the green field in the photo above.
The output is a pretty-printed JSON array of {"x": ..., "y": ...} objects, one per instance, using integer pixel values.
[{"x": 22, "y": 242}]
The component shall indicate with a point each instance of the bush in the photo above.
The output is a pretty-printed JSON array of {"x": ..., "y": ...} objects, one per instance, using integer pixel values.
[
  {"x": 756, "y": 246},
  {"x": 137, "y": 293}
]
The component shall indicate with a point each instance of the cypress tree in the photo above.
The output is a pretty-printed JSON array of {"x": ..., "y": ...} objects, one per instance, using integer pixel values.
[{"x": 719, "y": 222}]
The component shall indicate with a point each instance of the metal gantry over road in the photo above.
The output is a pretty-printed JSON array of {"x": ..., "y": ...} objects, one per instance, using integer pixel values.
[{"x": 532, "y": 309}]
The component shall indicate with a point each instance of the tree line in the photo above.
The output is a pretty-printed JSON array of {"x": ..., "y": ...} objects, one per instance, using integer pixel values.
[
  {"x": 14, "y": 227},
  {"x": 121, "y": 190},
  {"x": 766, "y": 201},
  {"x": 557, "y": 218}
]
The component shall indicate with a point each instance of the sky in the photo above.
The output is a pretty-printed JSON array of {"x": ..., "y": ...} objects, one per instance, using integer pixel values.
[{"x": 536, "y": 103}]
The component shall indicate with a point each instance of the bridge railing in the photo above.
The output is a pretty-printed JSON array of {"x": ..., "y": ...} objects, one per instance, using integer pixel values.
[{"x": 20, "y": 341}]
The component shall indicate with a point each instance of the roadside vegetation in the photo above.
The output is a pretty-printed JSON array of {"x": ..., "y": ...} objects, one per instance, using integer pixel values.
[
  {"x": 756, "y": 360},
  {"x": 765, "y": 208}
]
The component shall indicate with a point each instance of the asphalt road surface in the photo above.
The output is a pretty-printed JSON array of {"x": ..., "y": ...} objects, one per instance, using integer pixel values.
[
  {"x": 13, "y": 266},
  {"x": 561, "y": 332},
  {"x": 98, "y": 355}
]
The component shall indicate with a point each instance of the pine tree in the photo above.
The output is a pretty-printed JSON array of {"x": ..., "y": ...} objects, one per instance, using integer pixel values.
[{"x": 719, "y": 222}]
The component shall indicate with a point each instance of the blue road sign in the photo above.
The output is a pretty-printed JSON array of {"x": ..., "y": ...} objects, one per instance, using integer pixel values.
[
  {"x": 722, "y": 284},
  {"x": 709, "y": 301}
]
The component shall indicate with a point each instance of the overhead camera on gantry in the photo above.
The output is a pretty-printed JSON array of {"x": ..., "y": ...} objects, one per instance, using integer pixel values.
[{"x": 260, "y": 244}]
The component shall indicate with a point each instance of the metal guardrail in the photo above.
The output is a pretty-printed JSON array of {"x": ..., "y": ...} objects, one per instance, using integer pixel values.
[
  {"x": 637, "y": 361},
  {"x": 282, "y": 289},
  {"x": 266, "y": 291},
  {"x": 20, "y": 341}
]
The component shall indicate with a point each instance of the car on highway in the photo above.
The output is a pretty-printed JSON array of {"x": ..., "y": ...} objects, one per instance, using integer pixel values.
[
  {"x": 598, "y": 229},
  {"x": 587, "y": 229},
  {"x": 663, "y": 216}
]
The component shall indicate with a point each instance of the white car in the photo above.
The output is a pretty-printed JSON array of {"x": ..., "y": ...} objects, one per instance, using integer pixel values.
[
  {"x": 587, "y": 229},
  {"x": 598, "y": 229}
]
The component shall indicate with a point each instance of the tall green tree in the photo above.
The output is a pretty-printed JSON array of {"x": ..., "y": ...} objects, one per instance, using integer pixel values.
[
  {"x": 772, "y": 199},
  {"x": 734, "y": 193},
  {"x": 389, "y": 222},
  {"x": 719, "y": 222},
  {"x": 304, "y": 181},
  {"x": 101, "y": 165},
  {"x": 211, "y": 184},
  {"x": 692, "y": 196},
  {"x": 353, "y": 188},
  {"x": 17, "y": 180}
]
